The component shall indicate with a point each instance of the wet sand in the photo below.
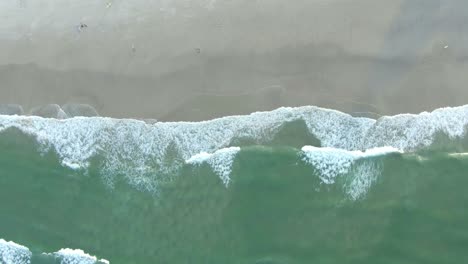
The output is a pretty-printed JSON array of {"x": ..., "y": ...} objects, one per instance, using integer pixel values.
[{"x": 213, "y": 59}]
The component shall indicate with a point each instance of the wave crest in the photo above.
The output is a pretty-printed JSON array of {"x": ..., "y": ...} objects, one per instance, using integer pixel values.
[
  {"x": 72, "y": 256},
  {"x": 220, "y": 161},
  {"x": 330, "y": 163},
  {"x": 12, "y": 253}
]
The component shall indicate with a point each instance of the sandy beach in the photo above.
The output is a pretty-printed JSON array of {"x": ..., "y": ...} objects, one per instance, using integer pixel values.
[{"x": 206, "y": 59}]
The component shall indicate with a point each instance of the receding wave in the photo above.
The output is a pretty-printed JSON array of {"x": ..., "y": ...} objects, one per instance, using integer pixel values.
[{"x": 144, "y": 153}]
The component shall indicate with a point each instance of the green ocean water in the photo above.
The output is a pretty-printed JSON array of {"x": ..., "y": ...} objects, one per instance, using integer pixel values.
[{"x": 276, "y": 209}]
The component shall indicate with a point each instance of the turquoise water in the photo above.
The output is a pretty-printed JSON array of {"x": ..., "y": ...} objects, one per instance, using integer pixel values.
[{"x": 294, "y": 185}]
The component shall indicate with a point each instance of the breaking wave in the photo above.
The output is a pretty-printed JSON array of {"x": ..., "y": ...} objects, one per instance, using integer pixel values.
[
  {"x": 144, "y": 153},
  {"x": 12, "y": 253},
  {"x": 331, "y": 163}
]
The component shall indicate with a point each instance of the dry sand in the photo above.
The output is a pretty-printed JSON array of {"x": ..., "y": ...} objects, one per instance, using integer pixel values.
[{"x": 195, "y": 60}]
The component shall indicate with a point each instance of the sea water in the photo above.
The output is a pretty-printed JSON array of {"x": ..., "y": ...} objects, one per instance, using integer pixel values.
[{"x": 292, "y": 185}]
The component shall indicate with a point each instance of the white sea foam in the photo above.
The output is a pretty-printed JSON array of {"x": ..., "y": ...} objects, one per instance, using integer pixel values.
[
  {"x": 330, "y": 163},
  {"x": 140, "y": 150},
  {"x": 220, "y": 161},
  {"x": 460, "y": 154},
  {"x": 76, "y": 256},
  {"x": 364, "y": 175},
  {"x": 411, "y": 132},
  {"x": 12, "y": 253}
]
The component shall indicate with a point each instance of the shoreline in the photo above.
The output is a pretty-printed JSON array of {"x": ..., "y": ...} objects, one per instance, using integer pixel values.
[
  {"x": 211, "y": 90},
  {"x": 149, "y": 121}
]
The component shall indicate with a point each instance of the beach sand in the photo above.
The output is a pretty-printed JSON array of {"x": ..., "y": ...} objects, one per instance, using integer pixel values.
[{"x": 172, "y": 62}]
